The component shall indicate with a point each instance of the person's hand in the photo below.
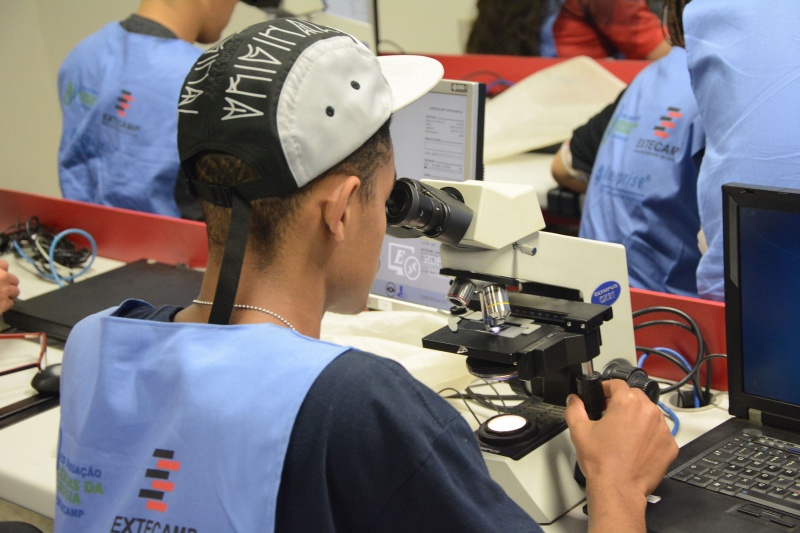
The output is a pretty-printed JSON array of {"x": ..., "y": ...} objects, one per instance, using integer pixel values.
[
  {"x": 624, "y": 455},
  {"x": 563, "y": 172},
  {"x": 9, "y": 287}
]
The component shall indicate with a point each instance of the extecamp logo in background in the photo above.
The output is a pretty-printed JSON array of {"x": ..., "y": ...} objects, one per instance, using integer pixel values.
[
  {"x": 668, "y": 122},
  {"x": 124, "y": 103}
]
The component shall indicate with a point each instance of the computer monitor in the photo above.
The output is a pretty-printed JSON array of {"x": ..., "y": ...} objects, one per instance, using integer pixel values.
[
  {"x": 440, "y": 136},
  {"x": 356, "y": 17}
]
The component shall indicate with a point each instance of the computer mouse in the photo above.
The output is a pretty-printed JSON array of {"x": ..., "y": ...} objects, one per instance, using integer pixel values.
[{"x": 48, "y": 380}]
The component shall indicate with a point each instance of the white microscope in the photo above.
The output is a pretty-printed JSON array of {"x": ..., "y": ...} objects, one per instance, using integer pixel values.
[{"x": 527, "y": 305}]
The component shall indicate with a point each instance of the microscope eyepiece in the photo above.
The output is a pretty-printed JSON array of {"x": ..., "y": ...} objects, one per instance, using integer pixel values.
[
  {"x": 399, "y": 207},
  {"x": 439, "y": 214}
]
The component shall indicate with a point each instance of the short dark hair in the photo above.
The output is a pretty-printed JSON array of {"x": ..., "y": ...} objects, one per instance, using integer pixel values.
[
  {"x": 269, "y": 214},
  {"x": 510, "y": 29}
]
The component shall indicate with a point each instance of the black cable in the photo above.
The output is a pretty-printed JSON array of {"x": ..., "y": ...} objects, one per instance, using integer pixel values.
[
  {"x": 706, "y": 359},
  {"x": 460, "y": 395},
  {"x": 476, "y": 73},
  {"x": 694, "y": 370},
  {"x": 666, "y": 355},
  {"x": 681, "y": 325},
  {"x": 709, "y": 374},
  {"x": 694, "y": 329},
  {"x": 34, "y": 240},
  {"x": 677, "y": 362},
  {"x": 485, "y": 400},
  {"x": 391, "y": 43},
  {"x": 498, "y": 78},
  {"x": 687, "y": 327},
  {"x": 497, "y": 394}
]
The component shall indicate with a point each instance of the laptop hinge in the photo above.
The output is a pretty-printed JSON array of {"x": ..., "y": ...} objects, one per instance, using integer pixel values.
[
  {"x": 782, "y": 422},
  {"x": 755, "y": 416}
]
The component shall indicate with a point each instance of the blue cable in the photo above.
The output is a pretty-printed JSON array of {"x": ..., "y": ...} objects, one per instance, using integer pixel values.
[
  {"x": 683, "y": 360},
  {"x": 53, "y": 275},
  {"x": 673, "y": 416},
  {"x": 58, "y": 279},
  {"x": 501, "y": 81},
  {"x": 680, "y": 358},
  {"x": 45, "y": 274}
]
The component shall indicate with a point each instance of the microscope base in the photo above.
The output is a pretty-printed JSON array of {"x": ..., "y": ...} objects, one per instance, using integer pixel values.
[{"x": 542, "y": 482}]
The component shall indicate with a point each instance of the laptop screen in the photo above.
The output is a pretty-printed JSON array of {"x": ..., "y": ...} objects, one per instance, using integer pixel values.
[
  {"x": 440, "y": 136},
  {"x": 762, "y": 271}
]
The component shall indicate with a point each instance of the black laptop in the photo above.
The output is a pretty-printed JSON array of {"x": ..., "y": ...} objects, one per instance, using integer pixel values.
[
  {"x": 55, "y": 312},
  {"x": 744, "y": 475}
]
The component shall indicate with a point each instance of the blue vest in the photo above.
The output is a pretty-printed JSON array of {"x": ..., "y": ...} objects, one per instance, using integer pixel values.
[
  {"x": 744, "y": 59},
  {"x": 642, "y": 190},
  {"x": 119, "y": 98},
  {"x": 175, "y": 427}
]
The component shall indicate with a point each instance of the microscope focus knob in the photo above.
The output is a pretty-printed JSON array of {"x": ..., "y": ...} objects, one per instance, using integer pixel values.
[
  {"x": 635, "y": 376},
  {"x": 648, "y": 386}
]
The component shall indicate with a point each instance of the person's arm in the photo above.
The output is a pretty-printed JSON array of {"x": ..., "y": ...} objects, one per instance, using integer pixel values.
[
  {"x": 659, "y": 51},
  {"x": 624, "y": 456},
  {"x": 572, "y": 164},
  {"x": 565, "y": 173},
  {"x": 631, "y": 27},
  {"x": 394, "y": 454},
  {"x": 9, "y": 287}
]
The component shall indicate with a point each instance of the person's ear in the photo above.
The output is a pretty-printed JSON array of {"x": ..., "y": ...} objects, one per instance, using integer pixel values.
[{"x": 336, "y": 208}]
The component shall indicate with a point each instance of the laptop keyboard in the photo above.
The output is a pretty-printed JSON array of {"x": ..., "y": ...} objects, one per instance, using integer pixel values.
[{"x": 752, "y": 467}]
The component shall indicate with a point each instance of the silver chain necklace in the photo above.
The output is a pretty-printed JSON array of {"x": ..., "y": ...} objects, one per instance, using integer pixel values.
[{"x": 252, "y": 308}]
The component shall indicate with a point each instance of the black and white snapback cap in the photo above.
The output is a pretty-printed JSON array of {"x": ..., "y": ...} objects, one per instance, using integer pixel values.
[{"x": 292, "y": 99}]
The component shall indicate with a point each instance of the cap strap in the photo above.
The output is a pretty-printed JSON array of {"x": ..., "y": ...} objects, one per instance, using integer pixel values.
[
  {"x": 222, "y": 195},
  {"x": 216, "y": 194},
  {"x": 232, "y": 260}
]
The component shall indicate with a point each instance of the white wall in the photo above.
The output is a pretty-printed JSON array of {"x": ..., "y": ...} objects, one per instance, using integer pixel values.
[
  {"x": 36, "y": 35},
  {"x": 425, "y": 26}
]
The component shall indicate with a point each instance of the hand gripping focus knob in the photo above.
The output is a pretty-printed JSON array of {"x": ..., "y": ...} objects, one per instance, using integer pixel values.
[{"x": 634, "y": 376}]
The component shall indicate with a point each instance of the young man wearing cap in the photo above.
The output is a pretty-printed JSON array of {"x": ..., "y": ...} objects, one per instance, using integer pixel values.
[
  {"x": 231, "y": 414},
  {"x": 117, "y": 90}
]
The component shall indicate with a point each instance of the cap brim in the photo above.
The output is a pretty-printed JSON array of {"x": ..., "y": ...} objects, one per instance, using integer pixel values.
[{"x": 409, "y": 77}]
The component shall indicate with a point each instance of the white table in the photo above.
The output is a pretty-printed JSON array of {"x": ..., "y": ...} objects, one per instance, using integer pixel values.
[{"x": 29, "y": 447}]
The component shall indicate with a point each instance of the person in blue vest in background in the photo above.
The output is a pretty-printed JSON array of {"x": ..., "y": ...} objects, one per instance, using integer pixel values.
[
  {"x": 743, "y": 61},
  {"x": 231, "y": 415},
  {"x": 638, "y": 163},
  {"x": 118, "y": 89}
]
